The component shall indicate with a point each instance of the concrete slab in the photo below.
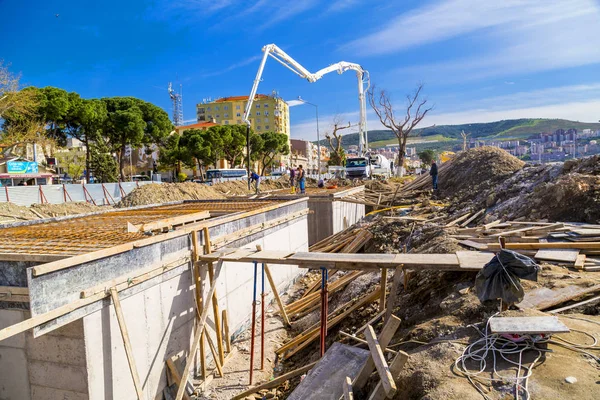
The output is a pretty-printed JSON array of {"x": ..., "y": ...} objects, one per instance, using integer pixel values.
[
  {"x": 324, "y": 381},
  {"x": 58, "y": 376},
  {"x": 45, "y": 393},
  {"x": 8, "y": 318}
]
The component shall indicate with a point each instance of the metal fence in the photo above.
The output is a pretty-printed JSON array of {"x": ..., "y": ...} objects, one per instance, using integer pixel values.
[{"x": 95, "y": 193}]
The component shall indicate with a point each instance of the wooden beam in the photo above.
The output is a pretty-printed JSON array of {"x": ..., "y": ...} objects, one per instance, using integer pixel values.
[
  {"x": 127, "y": 343},
  {"x": 176, "y": 375},
  {"x": 42, "y": 258},
  {"x": 277, "y": 298},
  {"x": 580, "y": 303},
  {"x": 275, "y": 382},
  {"x": 15, "y": 290},
  {"x": 215, "y": 301},
  {"x": 199, "y": 329},
  {"x": 393, "y": 296},
  {"x": 395, "y": 368},
  {"x": 347, "y": 386},
  {"x": 359, "y": 340},
  {"x": 550, "y": 245},
  {"x": 475, "y": 216},
  {"x": 383, "y": 289},
  {"x": 215, "y": 355},
  {"x": 387, "y": 380},
  {"x": 225, "y": 322},
  {"x": 388, "y": 331},
  {"x": 456, "y": 221},
  {"x": 580, "y": 261}
]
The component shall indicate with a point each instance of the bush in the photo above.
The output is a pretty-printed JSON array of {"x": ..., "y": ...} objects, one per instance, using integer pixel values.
[{"x": 181, "y": 177}]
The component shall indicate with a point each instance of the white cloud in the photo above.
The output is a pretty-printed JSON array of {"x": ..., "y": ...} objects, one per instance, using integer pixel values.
[
  {"x": 237, "y": 65},
  {"x": 506, "y": 37}
]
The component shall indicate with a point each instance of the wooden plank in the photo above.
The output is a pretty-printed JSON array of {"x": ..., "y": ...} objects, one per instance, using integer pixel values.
[
  {"x": 41, "y": 258},
  {"x": 168, "y": 222},
  {"x": 276, "y": 294},
  {"x": 393, "y": 296},
  {"x": 199, "y": 330},
  {"x": 347, "y": 386},
  {"x": 543, "y": 298},
  {"x": 388, "y": 331},
  {"x": 580, "y": 303},
  {"x": 395, "y": 368},
  {"x": 550, "y": 245},
  {"x": 526, "y": 325},
  {"x": 127, "y": 343},
  {"x": 226, "y": 334},
  {"x": 456, "y": 221},
  {"x": 475, "y": 216},
  {"x": 474, "y": 245},
  {"x": 473, "y": 260},
  {"x": 176, "y": 375},
  {"x": 562, "y": 255},
  {"x": 15, "y": 290},
  {"x": 215, "y": 354},
  {"x": 359, "y": 340},
  {"x": 387, "y": 380},
  {"x": 580, "y": 261},
  {"x": 383, "y": 285},
  {"x": 586, "y": 232},
  {"x": 492, "y": 224},
  {"x": 275, "y": 382}
]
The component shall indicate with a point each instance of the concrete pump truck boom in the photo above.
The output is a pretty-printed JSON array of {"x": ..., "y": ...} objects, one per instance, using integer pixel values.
[{"x": 283, "y": 58}]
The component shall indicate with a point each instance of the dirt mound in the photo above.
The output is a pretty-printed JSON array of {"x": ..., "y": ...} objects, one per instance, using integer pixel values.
[
  {"x": 57, "y": 210},
  {"x": 589, "y": 165},
  {"x": 476, "y": 170},
  {"x": 155, "y": 193}
]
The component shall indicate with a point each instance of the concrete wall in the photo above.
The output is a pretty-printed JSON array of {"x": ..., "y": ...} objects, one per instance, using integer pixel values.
[{"x": 51, "y": 367}]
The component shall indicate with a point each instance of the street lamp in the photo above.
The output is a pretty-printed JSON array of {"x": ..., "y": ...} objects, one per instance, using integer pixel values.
[{"x": 318, "y": 138}]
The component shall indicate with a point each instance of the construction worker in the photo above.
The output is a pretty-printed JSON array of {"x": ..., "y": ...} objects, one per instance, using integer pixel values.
[
  {"x": 256, "y": 178},
  {"x": 301, "y": 179},
  {"x": 434, "y": 175}
]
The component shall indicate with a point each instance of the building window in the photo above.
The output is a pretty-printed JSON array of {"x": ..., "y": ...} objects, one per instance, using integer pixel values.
[
  {"x": 217, "y": 116},
  {"x": 216, "y": 108},
  {"x": 258, "y": 128},
  {"x": 276, "y": 113},
  {"x": 258, "y": 120},
  {"x": 238, "y": 115},
  {"x": 201, "y": 110},
  {"x": 258, "y": 106},
  {"x": 207, "y": 108},
  {"x": 258, "y": 113},
  {"x": 267, "y": 127},
  {"x": 226, "y": 122},
  {"x": 266, "y": 113},
  {"x": 225, "y": 115},
  {"x": 266, "y": 105},
  {"x": 266, "y": 119},
  {"x": 225, "y": 107},
  {"x": 210, "y": 117},
  {"x": 237, "y": 107}
]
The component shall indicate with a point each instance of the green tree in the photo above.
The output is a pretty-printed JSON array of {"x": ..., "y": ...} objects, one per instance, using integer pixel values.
[
  {"x": 173, "y": 155},
  {"x": 195, "y": 146},
  {"x": 133, "y": 122},
  {"x": 104, "y": 164},
  {"x": 234, "y": 143},
  {"x": 54, "y": 109},
  {"x": 12, "y": 98},
  {"x": 274, "y": 144},
  {"x": 72, "y": 161},
  {"x": 427, "y": 156}
]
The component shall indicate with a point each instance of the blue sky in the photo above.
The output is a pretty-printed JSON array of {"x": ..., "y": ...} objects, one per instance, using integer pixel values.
[{"x": 479, "y": 60}]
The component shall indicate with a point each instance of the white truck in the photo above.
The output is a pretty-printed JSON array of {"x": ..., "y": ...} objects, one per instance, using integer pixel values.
[{"x": 367, "y": 167}]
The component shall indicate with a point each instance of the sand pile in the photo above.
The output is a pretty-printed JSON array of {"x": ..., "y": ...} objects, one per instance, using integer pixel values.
[{"x": 10, "y": 212}]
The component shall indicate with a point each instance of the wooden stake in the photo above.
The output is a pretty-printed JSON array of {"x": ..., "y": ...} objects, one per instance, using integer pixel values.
[
  {"x": 213, "y": 350},
  {"x": 277, "y": 298},
  {"x": 384, "y": 339},
  {"x": 383, "y": 289},
  {"x": 389, "y": 385},
  {"x": 199, "y": 329},
  {"x": 176, "y": 375},
  {"x": 393, "y": 296},
  {"x": 198, "y": 293},
  {"x": 215, "y": 301},
  {"x": 127, "y": 343},
  {"x": 226, "y": 331},
  {"x": 395, "y": 368}
]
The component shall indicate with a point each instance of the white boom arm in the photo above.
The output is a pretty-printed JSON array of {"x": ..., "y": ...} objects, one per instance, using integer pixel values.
[{"x": 283, "y": 58}]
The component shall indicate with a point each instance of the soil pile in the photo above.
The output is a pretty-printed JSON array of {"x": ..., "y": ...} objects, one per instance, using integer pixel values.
[
  {"x": 477, "y": 170},
  {"x": 155, "y": 193},
  {"x": 10, "y": 212}
]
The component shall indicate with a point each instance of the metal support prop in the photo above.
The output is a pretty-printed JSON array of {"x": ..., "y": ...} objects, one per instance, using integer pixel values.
[
  {"x": 262, "y": 321},
  {"x": 324, "y": 307},
  {"x": 253, "y": 323}
]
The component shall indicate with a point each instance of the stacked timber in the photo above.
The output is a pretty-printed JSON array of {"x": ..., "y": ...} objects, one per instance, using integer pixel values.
[{"x": 574, "y": 245}]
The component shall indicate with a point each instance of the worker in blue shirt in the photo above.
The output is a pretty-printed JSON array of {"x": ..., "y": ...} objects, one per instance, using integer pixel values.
[{"x": 256, "y": 178}]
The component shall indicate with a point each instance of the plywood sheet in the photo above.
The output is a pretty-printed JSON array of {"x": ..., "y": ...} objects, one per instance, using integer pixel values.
[
  {"x": 561, "y": 255},
  {"x": 544, "y": 298},
  {"x": 527, "y": 325},
  {"x": 473, "y": 260}
]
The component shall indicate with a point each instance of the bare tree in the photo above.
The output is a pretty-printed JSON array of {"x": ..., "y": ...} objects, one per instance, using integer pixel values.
[
  {"x": 464, "y": 136},
  {"x": 11, "y": 97},
  {"x": 401, "y": 126},
  {"x": 338, "y": 156}
]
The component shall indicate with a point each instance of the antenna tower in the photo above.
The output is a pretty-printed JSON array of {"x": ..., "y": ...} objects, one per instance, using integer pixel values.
[{"x": 177, "y": 100}]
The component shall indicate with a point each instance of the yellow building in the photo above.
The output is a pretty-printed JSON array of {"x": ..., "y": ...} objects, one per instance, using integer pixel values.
[{"x": 269, "y": 113}]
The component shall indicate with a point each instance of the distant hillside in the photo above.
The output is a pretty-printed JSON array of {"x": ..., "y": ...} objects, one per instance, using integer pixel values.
[{"x": 499, "y": 130}]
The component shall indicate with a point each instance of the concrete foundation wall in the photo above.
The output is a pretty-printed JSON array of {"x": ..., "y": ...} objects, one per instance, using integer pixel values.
[{"x": 52, "y": 367}]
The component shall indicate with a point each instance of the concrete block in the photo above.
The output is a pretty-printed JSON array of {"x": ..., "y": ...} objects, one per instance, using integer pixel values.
[
  {"x": 58, "y": 376},
  {"x": 46, "y": 393},
  {"x": 8, "y": 318},
  {"x": 58, "y": 349},
  {"x": 14, "y": 380}
]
